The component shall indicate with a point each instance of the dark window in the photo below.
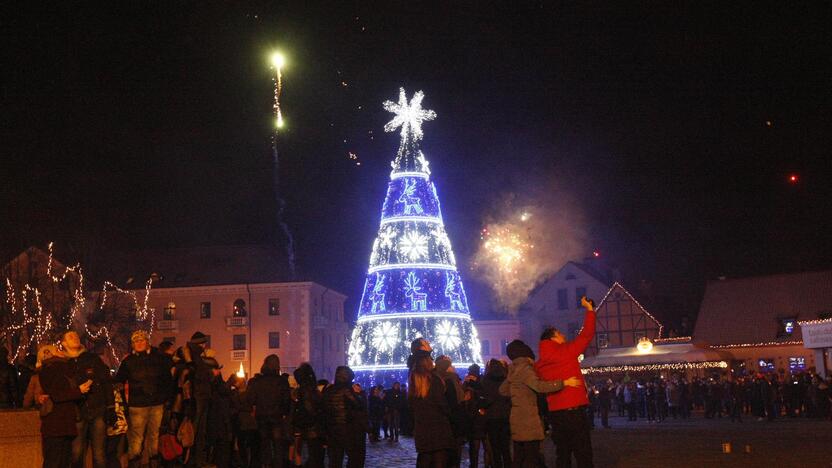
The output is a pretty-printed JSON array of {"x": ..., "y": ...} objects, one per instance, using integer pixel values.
[
  {"x": 274, "y": 306},
  {"x": 562, "y": 301},
  {"x": 204, "y": 310},
  {"x": 240, "y": 308},
  {"x": 239, "y": 342},
  {"x": 570, "y": 276},
  {"x": 603, "y": 340},
  {"x": 485, "y": 347},
  {"x": 579, "y": 293},
  {"x": 274, "y": 340}
]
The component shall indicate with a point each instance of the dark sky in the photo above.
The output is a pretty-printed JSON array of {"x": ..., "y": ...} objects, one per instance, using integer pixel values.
[{"x": 146, "y": 124}]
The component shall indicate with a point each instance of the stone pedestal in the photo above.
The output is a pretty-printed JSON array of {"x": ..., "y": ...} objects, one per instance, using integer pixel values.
[{"x": 20, "y": 442}]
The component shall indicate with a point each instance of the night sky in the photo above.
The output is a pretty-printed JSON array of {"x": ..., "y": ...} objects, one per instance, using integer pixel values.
[{"x": 675, "y": 125}]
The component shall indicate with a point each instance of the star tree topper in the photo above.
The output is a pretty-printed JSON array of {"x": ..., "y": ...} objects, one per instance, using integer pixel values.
[{"x": 408, "y": 116}]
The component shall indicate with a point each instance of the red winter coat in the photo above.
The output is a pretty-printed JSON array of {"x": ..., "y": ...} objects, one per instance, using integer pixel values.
[
  {"x": 56, "y": 380},
  {"x": 560, "y": 361}
]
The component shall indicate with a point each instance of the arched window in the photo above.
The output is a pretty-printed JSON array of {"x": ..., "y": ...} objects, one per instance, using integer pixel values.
[{"x": 240, "y": 308}]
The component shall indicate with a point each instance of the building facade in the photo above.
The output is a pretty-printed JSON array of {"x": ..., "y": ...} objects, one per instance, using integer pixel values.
[
  {"x": 300, "y": 322},
  {"x": 557, "y": 302},
  {"x": 622, "y": 322},
  {"x": 756, "y": 319},
  {"x": 495, "y": 335}
]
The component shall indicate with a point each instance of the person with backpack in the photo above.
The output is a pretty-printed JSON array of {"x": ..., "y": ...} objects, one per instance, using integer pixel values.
[
  {"x": 269, "y": 397},
  {"x": 307, "y": 414}
]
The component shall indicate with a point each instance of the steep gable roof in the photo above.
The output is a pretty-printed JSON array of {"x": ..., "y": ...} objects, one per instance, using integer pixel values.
[
  {"x": 748, "y": 310},
  {"x": 618, "y": 288}
]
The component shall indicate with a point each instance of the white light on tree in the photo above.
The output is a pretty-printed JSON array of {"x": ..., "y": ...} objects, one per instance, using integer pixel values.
[
  {"x": 414, "y": 246},
  {"x": 385, "y": 336},
  {"x": 408, "y": 116},
  {"x": 447, "y": 334}
]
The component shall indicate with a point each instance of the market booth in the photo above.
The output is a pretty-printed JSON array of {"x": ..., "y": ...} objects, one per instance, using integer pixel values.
[{"x": 660, "y": 357}]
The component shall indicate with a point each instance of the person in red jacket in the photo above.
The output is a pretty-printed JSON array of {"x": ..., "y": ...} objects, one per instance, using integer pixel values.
[{"x": 567, "y": 408}]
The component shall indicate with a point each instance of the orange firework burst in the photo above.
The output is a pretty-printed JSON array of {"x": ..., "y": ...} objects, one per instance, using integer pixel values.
[{"x": 505, "y": 247}]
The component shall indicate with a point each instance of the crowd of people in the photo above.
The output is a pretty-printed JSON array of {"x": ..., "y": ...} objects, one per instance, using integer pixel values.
[
  {"x": 167, "y": 406},
  {"x": 761, "y": 396}
]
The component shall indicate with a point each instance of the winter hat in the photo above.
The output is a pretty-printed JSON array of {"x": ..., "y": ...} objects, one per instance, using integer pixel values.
[
  {"x": 139, "y": 335},
  {"x": 443, "y": 363},
  {"x": 304, "y": 374},
  {"x": 517, "y": 349},
  {"x": 474, "y": 369},
  {"x": 199, "y": 338}
]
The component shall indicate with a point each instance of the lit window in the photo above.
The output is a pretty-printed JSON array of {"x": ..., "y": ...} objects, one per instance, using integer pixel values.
[
  {"x": 766, "y": 364},
  {"x": 788, "y": 326},
  {"x": 204, "y": 310},
  {"x": 274, "y": 340},
  {"x": 603, "y": 340},
  {"x": 274, "y": 306},
  {"x": 240, "y": 308},
  {"x": 170, "y": 311},
  {"x": 797, "y": 364},
  {"x": 239, "y": 342}
]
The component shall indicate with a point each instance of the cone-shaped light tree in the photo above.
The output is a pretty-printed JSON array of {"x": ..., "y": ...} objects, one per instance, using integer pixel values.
[{"x": 413, "y": 288}]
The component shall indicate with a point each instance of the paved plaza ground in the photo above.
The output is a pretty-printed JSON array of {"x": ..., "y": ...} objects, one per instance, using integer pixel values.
[{"x": 696, "y": 442}]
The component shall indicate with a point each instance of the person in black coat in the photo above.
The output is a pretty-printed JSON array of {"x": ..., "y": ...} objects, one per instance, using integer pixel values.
[
  {"x": 219, "y": 419},
  {"x": 346, "y": 420},
  {"x": 269, "y": 398},
  {"x": 432, "y": 432},
  {"x": 8, "y": 381},
  {"x": 97, "y": 409},
  {"x": 394, "y": 401},
  {"x": 497, "y": 408},
  {"x": 307, "y": 414},
  {"x": 150, "y": 386}
]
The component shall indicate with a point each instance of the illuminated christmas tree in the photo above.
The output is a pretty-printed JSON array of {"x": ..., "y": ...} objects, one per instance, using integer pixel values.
[{"x": 413, "y": 288}]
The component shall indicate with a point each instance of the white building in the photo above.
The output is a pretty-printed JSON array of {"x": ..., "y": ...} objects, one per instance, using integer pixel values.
[{"x": 495, "y": 335}]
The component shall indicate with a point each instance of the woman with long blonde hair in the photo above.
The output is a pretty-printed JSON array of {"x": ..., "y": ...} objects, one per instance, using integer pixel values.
[{"x": 431, "y": 416}]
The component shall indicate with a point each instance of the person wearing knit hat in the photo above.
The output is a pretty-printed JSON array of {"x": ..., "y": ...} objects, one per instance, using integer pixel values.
[{"x": 523, "y": 386}]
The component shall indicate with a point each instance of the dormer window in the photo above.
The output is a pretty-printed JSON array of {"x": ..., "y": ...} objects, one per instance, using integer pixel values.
[
  {"x": 787, "y": 326},
  {"x": 570, "y": 276}
]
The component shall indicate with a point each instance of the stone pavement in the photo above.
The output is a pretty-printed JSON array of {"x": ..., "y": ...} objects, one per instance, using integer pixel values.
[{"x": 696, "y": 442}]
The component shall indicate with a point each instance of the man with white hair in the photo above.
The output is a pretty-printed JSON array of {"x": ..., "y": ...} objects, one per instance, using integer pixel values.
[{"x": 150, "y": 385}]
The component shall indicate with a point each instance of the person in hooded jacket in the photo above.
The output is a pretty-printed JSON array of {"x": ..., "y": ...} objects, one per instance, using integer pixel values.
[
  {"x": 346, "y": 421},
  {"x": 523, "y": 386},
  {"x": 97, "y": 408},
  {"x": 269, "y": 397},
  {"x": 307, "y": 414},
  {"x": 497, "y": 407},
  {"x": 432, "y": 432}
]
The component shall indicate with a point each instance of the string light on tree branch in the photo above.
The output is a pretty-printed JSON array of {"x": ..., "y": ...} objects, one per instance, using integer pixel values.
[{"x": 657, "y": 367}]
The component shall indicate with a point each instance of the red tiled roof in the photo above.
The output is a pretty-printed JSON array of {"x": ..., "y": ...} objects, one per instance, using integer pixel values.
[{"x": 747, "y": 310}]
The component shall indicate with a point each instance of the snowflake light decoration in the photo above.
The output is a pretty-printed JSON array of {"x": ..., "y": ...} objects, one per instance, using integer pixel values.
[
  {"x": 356, "y": 348},
  {"x": 414, "y": 246},
  {"x": 387, "y": 237},
  {"x": 385, "y": 336},
  {"x": 447, "y": 334},
  {"x": 408, "y": 116}
]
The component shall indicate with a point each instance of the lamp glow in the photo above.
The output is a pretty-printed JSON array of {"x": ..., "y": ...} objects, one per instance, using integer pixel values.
[
  {"x": 644, "y": 345},
  {"x": 242, "y": 372},
  {"x": 278, "y": 60}
]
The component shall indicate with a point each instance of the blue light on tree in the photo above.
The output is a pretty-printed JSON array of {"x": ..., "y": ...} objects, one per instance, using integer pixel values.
[{"x": 412, "y": 289}]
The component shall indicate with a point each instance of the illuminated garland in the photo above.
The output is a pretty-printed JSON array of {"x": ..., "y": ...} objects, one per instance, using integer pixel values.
[
  {"x": 814, "y": 322},
  {"x": 675, "y": 339},
  {"x": 43, "y": 321},
  {"x": 755, "y": 345},
  {"x": 657, "y": 367}
]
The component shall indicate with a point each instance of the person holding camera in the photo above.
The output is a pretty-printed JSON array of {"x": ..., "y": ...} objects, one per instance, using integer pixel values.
[
  {"x": 97, "y": 408},
  {"x": 568, "y": 408}
]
